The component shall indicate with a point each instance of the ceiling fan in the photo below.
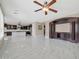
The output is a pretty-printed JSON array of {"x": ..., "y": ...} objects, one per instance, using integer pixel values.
[{"x": 46, "y": 6}]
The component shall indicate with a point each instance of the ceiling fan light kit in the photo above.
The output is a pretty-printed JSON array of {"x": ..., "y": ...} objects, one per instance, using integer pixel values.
[
  {"x": 45, "y": 9},
  {"x": 46, "y": 6}
]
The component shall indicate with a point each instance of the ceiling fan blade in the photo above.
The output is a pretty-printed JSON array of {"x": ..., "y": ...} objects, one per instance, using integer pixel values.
[
  {"x": 45, "y": 12},
  {"x": 38, "y": 3},
  {"x": 38, "y": 10},
  {"x": 53, "y": 10},
  {"x": 52, "y": 2}
]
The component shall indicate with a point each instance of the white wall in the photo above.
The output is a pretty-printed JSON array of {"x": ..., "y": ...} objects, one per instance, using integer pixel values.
[
  {"x": 36, "y": 31},
  {"x": 1, "y": 24},
  {"x": 1, "y": 28},
  {"x": 47, "y": 30}
]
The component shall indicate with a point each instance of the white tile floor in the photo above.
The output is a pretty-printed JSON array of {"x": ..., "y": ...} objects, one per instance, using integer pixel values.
[{"x": 38, "y": 48}]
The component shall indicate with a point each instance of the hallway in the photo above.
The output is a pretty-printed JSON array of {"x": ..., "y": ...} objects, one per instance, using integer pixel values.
[{"x": 38, "y": 48}]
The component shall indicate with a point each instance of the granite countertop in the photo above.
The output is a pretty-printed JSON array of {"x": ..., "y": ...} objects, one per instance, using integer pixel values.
[{"x": 16, "y": 30}]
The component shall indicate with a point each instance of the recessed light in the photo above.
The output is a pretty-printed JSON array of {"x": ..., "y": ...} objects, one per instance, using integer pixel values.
[{"x": 16, "y": 12}]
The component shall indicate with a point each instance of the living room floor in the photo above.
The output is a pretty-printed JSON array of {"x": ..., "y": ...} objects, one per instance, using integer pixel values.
[{"x": 38, "y": 48}]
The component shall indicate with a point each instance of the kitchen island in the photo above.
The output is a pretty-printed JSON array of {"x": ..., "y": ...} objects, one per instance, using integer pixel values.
[{"x": 18, "y": 32}]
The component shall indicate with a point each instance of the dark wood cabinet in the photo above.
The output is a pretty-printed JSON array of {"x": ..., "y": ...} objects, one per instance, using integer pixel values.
[
  {"x": 8, "y": 33},
  {"x": 8, "y": 26}
]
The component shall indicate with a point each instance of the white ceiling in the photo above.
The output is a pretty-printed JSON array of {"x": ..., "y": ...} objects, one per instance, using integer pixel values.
[{"x": 23, "y": 10}]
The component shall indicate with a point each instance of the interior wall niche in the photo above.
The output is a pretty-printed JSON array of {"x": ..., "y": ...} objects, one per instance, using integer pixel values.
[{"x": 65, "y": 29}]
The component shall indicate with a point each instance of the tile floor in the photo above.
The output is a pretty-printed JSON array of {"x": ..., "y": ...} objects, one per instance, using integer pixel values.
[{"x": 38, "y": 48}]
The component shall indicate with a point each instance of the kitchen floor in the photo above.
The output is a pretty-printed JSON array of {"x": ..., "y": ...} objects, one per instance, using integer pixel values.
[{"x": 38, "y": 48}]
